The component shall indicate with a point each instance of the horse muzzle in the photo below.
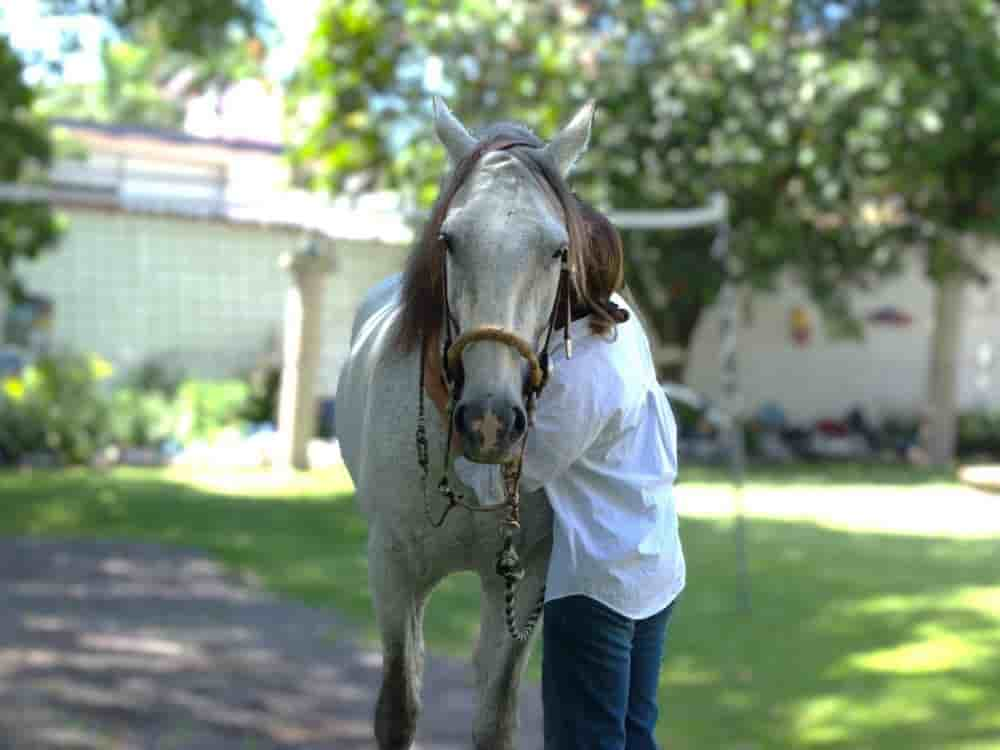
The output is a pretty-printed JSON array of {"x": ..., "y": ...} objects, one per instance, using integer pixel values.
[{"x": 491, "y": 427}]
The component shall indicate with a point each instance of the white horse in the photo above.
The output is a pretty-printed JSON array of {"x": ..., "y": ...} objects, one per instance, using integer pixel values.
[{"x": 488, "y": 261}]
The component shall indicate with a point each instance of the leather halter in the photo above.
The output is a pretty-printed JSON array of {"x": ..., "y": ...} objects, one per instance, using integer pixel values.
[
  {"x": 498, "y": 334},
  {"x": 508, "y": 565}
]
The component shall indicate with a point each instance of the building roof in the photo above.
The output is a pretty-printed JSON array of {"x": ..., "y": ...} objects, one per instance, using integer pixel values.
[
  {"x": 294, "y": 210},
  {"x": 164, "y": 135}
]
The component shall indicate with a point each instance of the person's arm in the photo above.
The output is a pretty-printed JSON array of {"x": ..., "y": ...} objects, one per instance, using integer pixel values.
[{"x": 569, "y": 418}]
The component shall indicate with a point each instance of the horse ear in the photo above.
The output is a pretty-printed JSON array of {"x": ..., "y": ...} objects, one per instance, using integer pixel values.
[
  {"x": 452, "y": 134},
  {"x": 569, "y": 143}
]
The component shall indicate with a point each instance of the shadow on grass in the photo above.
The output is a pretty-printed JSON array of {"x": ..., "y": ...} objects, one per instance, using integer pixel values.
[{"x": 855, "y": 641}]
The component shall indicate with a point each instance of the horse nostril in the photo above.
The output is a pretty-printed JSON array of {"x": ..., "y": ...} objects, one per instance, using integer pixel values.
[{"x": 520, "y": 423}]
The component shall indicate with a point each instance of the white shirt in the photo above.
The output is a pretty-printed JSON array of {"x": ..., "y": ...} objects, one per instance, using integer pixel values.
[{"x": 604, "y": 447}]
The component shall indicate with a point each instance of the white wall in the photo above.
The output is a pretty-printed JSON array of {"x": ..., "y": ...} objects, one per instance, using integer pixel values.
[
  {"x": 206, "y": 296},
  {"x": 885, "y": 373}
]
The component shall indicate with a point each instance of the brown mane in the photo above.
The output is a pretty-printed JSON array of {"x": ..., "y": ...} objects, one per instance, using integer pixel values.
[{"x": 422, "y": 290}]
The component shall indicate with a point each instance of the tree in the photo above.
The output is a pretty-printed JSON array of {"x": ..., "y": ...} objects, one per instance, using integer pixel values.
[
  {"x": 360, "y": 103},
  {"x": 145, "y": 82},
  {"x": 198, "y": 27},
  {"x": 727, "y": 96},
  {"x": 847, "y": 134},
  {"x": 26, "y": 228},
  {"x": 131, "y": 89},
  {"x": 924, "y": 108},
  {"x": 695, "y": 97}
]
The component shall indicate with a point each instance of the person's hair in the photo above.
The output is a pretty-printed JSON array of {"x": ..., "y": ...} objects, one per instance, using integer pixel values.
[{"x": 605, "y": 263}]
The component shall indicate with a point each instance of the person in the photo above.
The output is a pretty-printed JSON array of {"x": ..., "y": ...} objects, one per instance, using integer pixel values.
[{"x": 617, "y": 566}]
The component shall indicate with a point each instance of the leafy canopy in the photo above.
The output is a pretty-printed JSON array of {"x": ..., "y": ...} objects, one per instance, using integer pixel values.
[
  {"x": 26, "y": 228},
  {"x": 199, "y": 27},
  {"x": 694, "y": 97}
]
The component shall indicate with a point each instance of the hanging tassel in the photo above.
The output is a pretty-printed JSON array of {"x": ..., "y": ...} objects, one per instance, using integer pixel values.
[{"x": 566, "y": 283}]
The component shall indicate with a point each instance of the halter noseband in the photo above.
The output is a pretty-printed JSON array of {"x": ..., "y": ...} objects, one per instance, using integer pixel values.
[{"x": 498, "y": 334}]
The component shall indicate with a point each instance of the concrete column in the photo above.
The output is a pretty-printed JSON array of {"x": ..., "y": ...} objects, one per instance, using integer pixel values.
[
  {"x": 303, "y": 331},
  {"x": 946, "y": 348}
]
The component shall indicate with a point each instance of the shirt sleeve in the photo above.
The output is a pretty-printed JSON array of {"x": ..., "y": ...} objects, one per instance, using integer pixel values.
[{"x": 568, "y": 419}]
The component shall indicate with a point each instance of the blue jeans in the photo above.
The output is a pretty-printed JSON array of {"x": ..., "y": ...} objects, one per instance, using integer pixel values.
[{"x": 600, "y": 672}]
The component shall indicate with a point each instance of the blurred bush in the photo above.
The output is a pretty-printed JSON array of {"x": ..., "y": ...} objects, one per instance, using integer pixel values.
[
  {"x": 979, "y": 433},
  {"x": 56, "y": 406},
  {"x": 142, "y": 418},
  {"x": 262, "y": 404},
  {"x": 155, "y": 375},
  {"x": 62, "y": 409},
  {"x": 205, "y": 407}
]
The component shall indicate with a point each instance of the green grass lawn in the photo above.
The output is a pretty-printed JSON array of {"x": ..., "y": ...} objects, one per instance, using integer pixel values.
[{"x": 876, "y": 592}]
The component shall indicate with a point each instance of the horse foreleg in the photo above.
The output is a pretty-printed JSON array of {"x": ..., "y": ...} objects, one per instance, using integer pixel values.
[
  {"x": 500, "y": 659},
  {"x": 399, "y": 608}
]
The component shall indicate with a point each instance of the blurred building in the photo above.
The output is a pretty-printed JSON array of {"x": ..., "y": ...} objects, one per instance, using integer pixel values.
[
  {"x": 789, "y": 358},
  {"x": 142, "y": 163},
  {"x": 170, "y": 255}
]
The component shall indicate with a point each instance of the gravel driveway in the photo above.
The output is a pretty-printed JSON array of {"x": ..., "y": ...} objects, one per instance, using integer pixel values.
[{"x": 117, "y": 645}]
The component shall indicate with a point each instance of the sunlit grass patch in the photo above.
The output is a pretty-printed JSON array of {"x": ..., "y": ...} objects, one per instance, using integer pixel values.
[
  {"x": 945, "y": 632},
  {"x": 941, "y": 508},
  {"x": 935, "y": 652},
  {"x": 260, "y": 483}
]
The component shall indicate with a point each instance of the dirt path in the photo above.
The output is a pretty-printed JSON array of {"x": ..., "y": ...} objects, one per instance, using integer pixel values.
[{"x": 117, "y": 646}]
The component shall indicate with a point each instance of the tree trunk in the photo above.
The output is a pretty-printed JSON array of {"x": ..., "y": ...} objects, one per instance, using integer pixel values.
[{"x": 946, "y": 345}]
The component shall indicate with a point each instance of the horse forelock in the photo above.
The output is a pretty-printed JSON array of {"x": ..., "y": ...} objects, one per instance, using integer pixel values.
[{"x": 422, "y": 302}]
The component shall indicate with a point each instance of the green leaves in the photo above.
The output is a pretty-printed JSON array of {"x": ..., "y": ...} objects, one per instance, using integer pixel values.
[
  {"x": 25, "y": 228},
  {"x": 812, "y": 122},
  {"x": 360, "y": 104},
  {"x": 198, "y": 27}
]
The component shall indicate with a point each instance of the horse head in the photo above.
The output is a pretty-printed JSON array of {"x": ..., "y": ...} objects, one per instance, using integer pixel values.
[{"x": 507, "y": 231}]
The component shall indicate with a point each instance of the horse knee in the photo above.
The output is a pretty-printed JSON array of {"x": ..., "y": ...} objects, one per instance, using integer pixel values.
[{"x": 397, "y": 708}]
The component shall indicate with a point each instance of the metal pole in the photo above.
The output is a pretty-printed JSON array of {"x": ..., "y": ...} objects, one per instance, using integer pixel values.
[{"x": 731, "y": 397}]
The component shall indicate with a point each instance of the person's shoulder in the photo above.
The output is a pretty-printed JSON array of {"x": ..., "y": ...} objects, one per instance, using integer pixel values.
[
  {"x": 593, "y": 371},
  {"x": 599, "y": 367}
]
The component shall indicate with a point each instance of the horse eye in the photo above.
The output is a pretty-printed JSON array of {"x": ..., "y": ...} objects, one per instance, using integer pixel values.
[
  {"x": 558, "y": 253},
  {"x": 446, "y": 239}
]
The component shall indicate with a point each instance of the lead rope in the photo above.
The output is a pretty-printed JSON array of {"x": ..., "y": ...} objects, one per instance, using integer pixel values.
[
  {"x": 423, "y": 460},
  {"x": 508, "y": 562},
  {"x": 508, "y": 565}
]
